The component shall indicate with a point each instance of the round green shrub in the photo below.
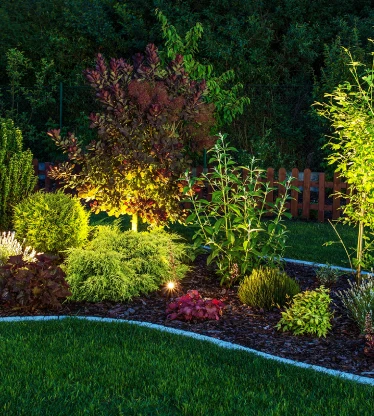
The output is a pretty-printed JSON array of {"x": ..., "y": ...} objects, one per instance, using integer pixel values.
[
  {"x": 51, "y": 222},
  {"x": 117, "y": 265},
  {"x": 267, "y": 287}
]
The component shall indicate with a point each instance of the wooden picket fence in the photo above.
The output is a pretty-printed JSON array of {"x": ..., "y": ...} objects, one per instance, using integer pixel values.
[{"x": 314, "y": 201}]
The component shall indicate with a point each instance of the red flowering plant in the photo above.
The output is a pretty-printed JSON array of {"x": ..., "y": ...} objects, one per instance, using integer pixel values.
[
  {"x": 193, "y": 307},
  {"x": 153, "y": 118}
]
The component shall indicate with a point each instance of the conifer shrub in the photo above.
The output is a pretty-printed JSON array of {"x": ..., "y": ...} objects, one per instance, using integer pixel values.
[
  {"x": 17, "y": 178},
  {"x": 266, "y": 287},
  {"x": 117, "y": 265},
  {"x": 51, "y": 222}
]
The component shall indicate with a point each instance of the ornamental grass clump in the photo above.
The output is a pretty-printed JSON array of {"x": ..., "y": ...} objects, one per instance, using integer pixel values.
[
  {"x": 267, "y": 287},
  {"x": 238, "y": 223},
  {"x": 117, "y": 265},
  {"x": 10, "y": 246},
  {"x": 51, "y": 222},
  {"x": 359, "y": 301},
  {"x": 308, "y": 313}
]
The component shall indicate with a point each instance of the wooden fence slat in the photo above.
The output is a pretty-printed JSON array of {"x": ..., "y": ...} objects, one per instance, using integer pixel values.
[
  {"x": 306, "y": 194},
  {"x": 294, "y": 194},
  {"x": 281, "y": 177},
  {"x": 321, "y": 197}
]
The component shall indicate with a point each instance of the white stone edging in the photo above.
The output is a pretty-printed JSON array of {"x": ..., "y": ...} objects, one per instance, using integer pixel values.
[{"x": 220, "y": 343}]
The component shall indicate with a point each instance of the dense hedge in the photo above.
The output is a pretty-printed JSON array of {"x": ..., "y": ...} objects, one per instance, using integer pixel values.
[{"x": 286, "y": 53}]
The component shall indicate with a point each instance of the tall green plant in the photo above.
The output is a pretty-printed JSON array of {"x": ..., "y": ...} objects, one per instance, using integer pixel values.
[
  {"x": 350, "y": 110},
  {"x": 227, "y": 101},
  {"x": 17, "y": 178},
  {"x": 234, "y": 222}
]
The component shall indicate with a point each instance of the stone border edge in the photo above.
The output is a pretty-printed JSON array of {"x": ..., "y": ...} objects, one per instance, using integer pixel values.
[{"x": 218, "y": 342}]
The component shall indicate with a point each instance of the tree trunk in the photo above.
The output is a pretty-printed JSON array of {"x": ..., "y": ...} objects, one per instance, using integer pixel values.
[{"x": 134, "y": 223}]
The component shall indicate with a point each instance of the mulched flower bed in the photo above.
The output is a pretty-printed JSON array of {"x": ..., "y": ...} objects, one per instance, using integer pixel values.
[{"x": 342, "y": 349}]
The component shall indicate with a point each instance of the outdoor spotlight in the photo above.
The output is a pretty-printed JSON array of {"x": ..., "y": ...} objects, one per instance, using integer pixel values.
[{"x": 171, "y": 288}]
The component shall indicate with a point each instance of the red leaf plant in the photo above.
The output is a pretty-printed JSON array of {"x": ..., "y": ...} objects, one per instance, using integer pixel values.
[{"x": 193, "y": 307}]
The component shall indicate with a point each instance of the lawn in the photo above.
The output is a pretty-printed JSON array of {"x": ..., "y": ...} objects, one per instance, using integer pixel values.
[{"x": 72, "y": 367}]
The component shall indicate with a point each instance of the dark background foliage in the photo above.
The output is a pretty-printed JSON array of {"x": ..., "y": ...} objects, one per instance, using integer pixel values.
[{"x": 286, "y": 53}]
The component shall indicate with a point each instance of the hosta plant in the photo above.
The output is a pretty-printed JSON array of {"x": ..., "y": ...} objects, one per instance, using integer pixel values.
[
  {"x": 153, "y": 118},
  {"x": 308, "y": 313},
  {"x": 193, "y": 307},
  {"x": 239, "y": 225},
  {"x": 29, "y": 286}
]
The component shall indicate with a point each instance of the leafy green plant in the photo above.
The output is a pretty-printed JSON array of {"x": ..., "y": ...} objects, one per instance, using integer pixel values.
[
  {"x": 359, "y": 301},
  {"x": 267, "y": 287},
  {"x": 234, "y": 222},
  {"x": 119, "y": 265},
  {"x": 51, "y": 222},
  {"x": 327, "y": 276},
  {"x": 308, "y": 313},
  {"x": 193, "y": 307},
  {"x": 153, "y": 118},
  {"x": 36, "y": 285},
  {"x": 351, "y": 113},
  {"x": 17, "y": 177},
  {"x": 10, "y": 246},
  {"x": 228, "y": 104}
]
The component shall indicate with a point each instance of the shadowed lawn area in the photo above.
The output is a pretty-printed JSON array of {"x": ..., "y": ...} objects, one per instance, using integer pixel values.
[{"x": 74, "y": 367}]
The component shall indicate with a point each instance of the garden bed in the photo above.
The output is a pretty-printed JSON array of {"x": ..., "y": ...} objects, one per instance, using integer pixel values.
[{"x": 342, "y": 349}]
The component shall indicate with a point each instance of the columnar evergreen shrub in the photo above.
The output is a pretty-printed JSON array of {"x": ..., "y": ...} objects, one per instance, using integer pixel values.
[
  {"x": 17, "y": 178},
  {"x": 51, "y": 222},
  {"x": 267, "y": 287},
  {"x": 119, "y": 265}
]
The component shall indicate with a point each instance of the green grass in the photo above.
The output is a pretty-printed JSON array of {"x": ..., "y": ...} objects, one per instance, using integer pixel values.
[
  {"x": 73, "y": 367},
  {"x": 305, "y": 239}
]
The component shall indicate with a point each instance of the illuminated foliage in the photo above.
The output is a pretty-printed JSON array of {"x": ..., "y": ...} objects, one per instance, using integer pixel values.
[{"x": 153, "y": 119}]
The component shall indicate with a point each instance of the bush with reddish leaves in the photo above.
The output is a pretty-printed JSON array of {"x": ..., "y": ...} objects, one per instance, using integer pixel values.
[
  {"x": 193, "y": 307},
  {"x": 31, "y": 286},
  {"x": 369, "y": 336}
]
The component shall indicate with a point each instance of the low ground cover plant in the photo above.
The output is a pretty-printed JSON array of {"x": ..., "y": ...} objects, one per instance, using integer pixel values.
[
  {"x": 192, "y": 307},
  {"x": 118, "y": 265},
  {"x": 267, "y": 287},
  {"x": 32, "y": 285},
  {"x": 51, "y": 222},
  {"x": 234, "y": 222},
  {"x": 359, "y": 301},
  {"x": 308, "y": 313}
]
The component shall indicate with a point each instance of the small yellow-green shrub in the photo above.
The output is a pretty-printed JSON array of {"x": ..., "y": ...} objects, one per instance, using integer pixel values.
[
  {"x": 51, "y": 222},
  {"x": 266, "y": 287},
  {"x": 309, "y": 313},
  {"x": 117, "y": 265}
]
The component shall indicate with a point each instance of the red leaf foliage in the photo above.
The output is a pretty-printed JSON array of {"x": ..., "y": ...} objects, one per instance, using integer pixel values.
[{"x": 193, "y": 307}]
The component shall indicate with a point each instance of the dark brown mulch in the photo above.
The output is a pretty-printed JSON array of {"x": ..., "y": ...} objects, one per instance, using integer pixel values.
[{"x": 342, "y": 349}]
